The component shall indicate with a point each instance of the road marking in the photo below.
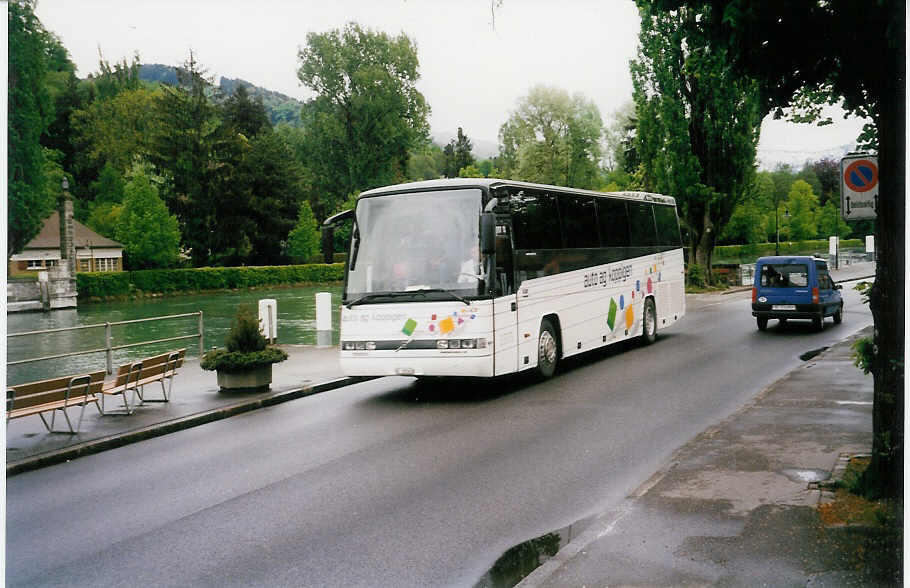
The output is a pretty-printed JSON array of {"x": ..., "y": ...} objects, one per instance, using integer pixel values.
[{"x": 856, "y": 402}]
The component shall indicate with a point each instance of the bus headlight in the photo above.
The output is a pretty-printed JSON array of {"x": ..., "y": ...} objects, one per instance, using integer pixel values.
[
  {"x": 442, "y": 344},
  {"x": 467, "y": 344},
  {"x": 371, "y": 345}
]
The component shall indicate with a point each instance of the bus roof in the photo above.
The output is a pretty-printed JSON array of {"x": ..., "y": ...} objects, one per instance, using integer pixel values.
[{"x": 493, "y": 183}]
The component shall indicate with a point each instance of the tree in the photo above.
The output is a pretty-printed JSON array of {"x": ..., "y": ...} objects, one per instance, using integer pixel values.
[
  {"x": 830, "y": 221},
  {"x": 367, "y": 113},
  {"x": 828, "y": 173},
  {"x": 758, "y": 37},
  {"x": 751, "y": 221},
  {"x": 457, "y": 155},
  {"x": 247, "y": 116},
  {"x": 30, "y": 112},
  {"x": 303, "y": 240},
  {"x": 620, "y": 140},
  {"x": 116, "y": 130},
  {"x": 148, "y": 232},
  {"x": 274, "y": 185},
  {"x": 698, "y": 122},
  {"x": 200, "y": 156},
  {"x": 552, "y": 138},
  {"x": 426, "y": 163},
  {"x": 803, "y": 206}
]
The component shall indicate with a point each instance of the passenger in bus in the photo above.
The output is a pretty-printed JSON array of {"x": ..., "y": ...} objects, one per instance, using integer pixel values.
[{"x": 470, "y": 267}]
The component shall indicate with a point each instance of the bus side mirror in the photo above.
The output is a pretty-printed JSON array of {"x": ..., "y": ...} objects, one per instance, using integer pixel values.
[
  {"x": 487, "y": 233},
  {"x": 328, "y": 243}
]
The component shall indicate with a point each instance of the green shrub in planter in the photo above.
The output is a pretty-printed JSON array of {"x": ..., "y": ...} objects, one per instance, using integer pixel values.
[{"x": 246, "y": 348}]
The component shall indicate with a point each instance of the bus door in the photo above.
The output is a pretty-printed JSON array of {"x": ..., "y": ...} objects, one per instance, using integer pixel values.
[{"x": 505, "y": 315}]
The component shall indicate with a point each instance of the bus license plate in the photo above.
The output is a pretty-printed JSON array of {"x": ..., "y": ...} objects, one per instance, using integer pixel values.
[{"x": 783, "y": 307}]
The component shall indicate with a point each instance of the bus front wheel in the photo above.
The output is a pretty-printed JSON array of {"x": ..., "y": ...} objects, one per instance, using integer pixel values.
[
  {"x": 649, "y": 323},
  {"x": 547, "y": 350}
]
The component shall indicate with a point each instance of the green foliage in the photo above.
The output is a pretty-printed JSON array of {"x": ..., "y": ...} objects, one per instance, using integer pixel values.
[
  {"x": 246, "y": 347},
  {"x": 102, "y": 284},
  {"x": 863, "y": 354},
  {"x": 830, "y": 222},
  {"x": 109, "y": 187},
  {"x": 695, "y": 275},
  {"x": 116, "y": 130},
  {"x": 149, "y": 234},
  {"x": 552, "y": 138},
  {"x": 698, "y": 121},
  {"x": 247, "y": 115},
  {"x": 170, "y": 281},
  {"x": 470, "y": 172},
  {"x": 104, "y": 217},
  {"x": 30, "y": 113},
  {"x": 457, "y": 155},
  {"x": 426, "y": 163},
  {"x": 750, "y": 252},
  {"x": 201, "y": 155},
  {"x": 271, "y": 184},
  {"x": 236, "y": 361},
  {"x": 367, "y": 113},
  {"x": 279, "y": 108},
  {"x": 304, "y": 239},
  {"x": 244, "y": 335},
  {"x": 802, "y": 204},
  {"x": 217, "y": 278}
]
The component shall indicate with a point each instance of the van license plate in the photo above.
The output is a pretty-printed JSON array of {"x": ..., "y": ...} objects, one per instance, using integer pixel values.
[{"x": 783, "y": 307}]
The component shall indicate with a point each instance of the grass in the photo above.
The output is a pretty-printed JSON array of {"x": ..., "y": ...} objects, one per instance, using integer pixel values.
[{"x": 849, "y": 507}]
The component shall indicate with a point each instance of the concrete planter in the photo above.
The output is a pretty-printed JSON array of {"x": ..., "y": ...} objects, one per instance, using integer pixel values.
[{"x": 253, "y": 380}]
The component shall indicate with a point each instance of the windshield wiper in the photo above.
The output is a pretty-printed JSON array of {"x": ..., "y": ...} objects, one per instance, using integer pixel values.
[
  {"x": 421, "y": 292},
  {"x": 442, "y": 291},
  {"x": 368, "y": 297}
]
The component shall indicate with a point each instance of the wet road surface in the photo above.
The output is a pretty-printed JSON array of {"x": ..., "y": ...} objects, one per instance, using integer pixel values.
[{"x": 391, "y": 482}]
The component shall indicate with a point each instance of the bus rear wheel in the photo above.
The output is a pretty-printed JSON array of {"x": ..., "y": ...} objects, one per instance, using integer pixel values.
[
  {"x": 547, "y": 350},
  {"x": 649, "y": 323}
]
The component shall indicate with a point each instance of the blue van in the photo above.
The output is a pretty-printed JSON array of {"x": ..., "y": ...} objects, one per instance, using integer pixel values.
[{"x": 797, "y": 287}]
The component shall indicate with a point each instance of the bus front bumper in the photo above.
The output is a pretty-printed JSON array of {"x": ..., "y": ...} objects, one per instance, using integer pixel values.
[{"x": 358, "y": 363}]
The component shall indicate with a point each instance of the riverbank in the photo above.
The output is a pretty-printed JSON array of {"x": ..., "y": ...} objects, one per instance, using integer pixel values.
[
  {"x": 140, "y": 295},
  {"x": 105, "y": 285}
]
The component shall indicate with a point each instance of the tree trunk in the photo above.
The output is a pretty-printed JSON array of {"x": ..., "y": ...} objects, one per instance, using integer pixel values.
[
  {"x": 704, "y": 248},
  {"x": 884, "y": 476}
]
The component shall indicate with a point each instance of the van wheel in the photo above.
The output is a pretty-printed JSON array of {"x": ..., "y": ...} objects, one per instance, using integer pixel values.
[
  {"x": 839, "y": 315},
  {"x": 819, "y": 322},
  {"x": 649, "y": 323},
  {"x": 547, "y": 350},
  {"x": 762, "y": 323}
]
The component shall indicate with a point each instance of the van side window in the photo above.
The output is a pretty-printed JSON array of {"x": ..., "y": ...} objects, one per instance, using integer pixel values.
[{"x": 781, "y": 275}]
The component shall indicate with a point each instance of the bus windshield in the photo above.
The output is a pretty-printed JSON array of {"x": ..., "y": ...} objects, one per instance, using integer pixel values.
[{"x": 424, "y": 243}]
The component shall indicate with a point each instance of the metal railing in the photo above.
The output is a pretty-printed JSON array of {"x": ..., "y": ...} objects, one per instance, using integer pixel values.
[{"x": 109, "y": 349}]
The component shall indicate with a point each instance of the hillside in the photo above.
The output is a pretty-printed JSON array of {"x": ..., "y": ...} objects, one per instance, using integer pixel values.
[{"x": 280, "y": 107}]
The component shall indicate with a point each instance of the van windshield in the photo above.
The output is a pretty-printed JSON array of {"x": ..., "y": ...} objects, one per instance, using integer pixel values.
[{"x": 785, "y": 275}]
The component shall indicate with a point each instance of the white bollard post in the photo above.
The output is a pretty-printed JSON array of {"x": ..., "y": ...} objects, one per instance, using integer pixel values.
[
  {"x": 268, "y": 319},
  {"x": 323, "y": 319}
]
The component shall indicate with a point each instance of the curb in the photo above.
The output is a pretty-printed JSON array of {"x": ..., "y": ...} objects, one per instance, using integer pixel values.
[{"x": 157, "y": 430}]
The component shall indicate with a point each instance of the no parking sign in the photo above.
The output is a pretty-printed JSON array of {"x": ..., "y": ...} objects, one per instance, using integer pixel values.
[{"x": 859, "y": 187}]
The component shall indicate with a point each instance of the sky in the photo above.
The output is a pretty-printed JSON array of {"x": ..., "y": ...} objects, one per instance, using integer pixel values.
[{"x": 476, "y": 62}]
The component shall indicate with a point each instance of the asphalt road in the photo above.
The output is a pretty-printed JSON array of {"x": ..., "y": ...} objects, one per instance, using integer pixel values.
[{"x": 393, "y": 483}]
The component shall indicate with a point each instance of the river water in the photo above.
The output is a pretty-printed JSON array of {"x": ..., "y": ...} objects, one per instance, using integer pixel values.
[{"x": 296, "y": 325}]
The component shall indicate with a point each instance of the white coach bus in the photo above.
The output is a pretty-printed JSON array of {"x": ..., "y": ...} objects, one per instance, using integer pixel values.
[{"x": 484, "y": 277}]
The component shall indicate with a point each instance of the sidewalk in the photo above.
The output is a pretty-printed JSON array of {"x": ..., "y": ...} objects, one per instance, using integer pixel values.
[
  {"x": 737, "y": 505},
  {"x": 195, "y": 400}
]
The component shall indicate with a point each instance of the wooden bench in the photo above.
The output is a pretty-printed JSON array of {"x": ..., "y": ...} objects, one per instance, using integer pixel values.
[
  {"x": 132, "y": 378},
  {"x": 53, "y": 395},
  {"x": 158, "y": 369}
]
